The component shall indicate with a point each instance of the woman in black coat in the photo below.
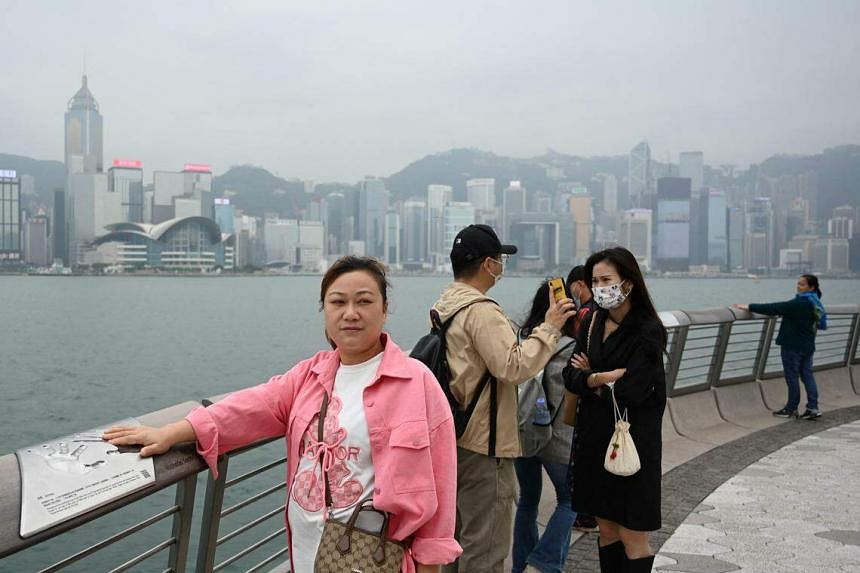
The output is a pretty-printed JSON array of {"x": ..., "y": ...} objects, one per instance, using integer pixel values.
[{"x": 625, "y": 351}]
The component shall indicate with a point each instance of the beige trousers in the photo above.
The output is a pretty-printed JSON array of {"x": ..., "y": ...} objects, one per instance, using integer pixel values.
[{"x": 486, "y": 491}]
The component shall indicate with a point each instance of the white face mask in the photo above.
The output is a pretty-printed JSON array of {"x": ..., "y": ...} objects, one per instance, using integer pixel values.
[
  {"x": 611, "y": 296},
  {"x": 498, "y": 277},
  {"x": 577, "y": 299}
]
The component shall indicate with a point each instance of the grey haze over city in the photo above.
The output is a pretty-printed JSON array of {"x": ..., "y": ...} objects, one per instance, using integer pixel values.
[{"x": 336, "y": 91}]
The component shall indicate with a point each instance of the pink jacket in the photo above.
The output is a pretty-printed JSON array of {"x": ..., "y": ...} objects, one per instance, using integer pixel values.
[{"x": 411, "y": 433}]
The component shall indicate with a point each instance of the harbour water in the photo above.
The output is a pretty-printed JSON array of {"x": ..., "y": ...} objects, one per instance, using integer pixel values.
[{"x": 77, "y": 352}]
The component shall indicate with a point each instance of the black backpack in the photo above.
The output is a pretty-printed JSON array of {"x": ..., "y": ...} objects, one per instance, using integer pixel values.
[{"x": 431, "y": 349}]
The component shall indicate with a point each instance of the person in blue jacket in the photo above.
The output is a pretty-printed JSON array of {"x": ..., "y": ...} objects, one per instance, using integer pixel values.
[{"x": 802, "y": 317}]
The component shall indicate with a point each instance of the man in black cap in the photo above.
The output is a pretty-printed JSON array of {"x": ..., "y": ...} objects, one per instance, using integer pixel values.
[{"x": 487, "y": 362}]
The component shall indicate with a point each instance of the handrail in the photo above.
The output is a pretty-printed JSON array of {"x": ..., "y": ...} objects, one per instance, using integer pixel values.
[{"x": 707, "y": 349}]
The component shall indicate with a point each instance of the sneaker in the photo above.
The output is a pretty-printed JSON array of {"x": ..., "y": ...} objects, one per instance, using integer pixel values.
[
  {"x": 785, "y": 413},
  {"x": 585, "y": 523},
  {"x": 810, "y": 414}
]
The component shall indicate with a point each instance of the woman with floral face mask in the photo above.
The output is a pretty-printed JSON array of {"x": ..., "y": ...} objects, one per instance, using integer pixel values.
[{"x": 622, "y": 350}]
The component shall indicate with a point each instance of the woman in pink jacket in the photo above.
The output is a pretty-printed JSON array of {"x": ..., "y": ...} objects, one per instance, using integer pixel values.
[{"x": 388, "y": 431}]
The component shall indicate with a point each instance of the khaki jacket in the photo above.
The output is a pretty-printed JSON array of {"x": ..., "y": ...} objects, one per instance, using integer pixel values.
[{"x": 479, "y": 338}]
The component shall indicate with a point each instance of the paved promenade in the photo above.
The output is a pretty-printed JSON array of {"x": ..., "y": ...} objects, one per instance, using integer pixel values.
[{"x": 796, "y": 510}]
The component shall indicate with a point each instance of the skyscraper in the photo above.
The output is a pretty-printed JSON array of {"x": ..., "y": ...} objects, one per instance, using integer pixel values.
[
  {"x": 437, "y": 197},
  {"x": 758, "y": 240},
  {"x": 457, "y": 215},
  {"x": 634, "y": 233},
  {"x": 580, "y": 211},
  {"x": 414, "y": 247},
  {"x": 392, "y": 238},
  {"x": 125, "y": 177},
  {"x": 481, "y": 193},
  {"x": 639, "y": 174},
  {"x": 372, "y": 206},
  {"x": 10, "y": 217},
  {"x": 691, "y": 165},
  {"x": 37, "y": 246},
  {"x": 513, "y": 204},
  {"x": 717, "y": 241},
  {"x": 335, "y": 219},
  {"x": 61, "y": 227},
  {"x": 610, "y": 194},
  {"x": 83, "y": 127},
  {"x": 224, "y": 214},
  {"x": 736, "y": 233},
  {"x": 673, "y": 223}
]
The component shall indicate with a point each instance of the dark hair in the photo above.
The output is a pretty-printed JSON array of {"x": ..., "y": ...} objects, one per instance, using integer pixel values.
[
  {"x": 352, "y": 263},
  {"x": 812, "y": 281},
  {"x": 577, "y": 273},
  {"x": 627, "y": 267},
  {"x": 468, "y": 270},
  {"x": 537, "y": 313}
]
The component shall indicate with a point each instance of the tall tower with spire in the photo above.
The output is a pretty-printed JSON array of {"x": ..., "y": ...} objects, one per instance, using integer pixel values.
[{"x": 84, "y": 133}]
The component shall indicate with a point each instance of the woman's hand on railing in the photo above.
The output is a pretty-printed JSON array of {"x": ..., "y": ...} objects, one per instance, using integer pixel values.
[
  {"x": 155, "y": 440},
  {"x": 743, "y": 307}
]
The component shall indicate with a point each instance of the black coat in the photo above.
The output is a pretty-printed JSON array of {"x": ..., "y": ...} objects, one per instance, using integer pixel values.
[{"x": 632, "y": 501}]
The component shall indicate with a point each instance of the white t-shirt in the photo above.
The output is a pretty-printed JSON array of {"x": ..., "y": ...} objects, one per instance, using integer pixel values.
[{"x": 351, "y": 477}]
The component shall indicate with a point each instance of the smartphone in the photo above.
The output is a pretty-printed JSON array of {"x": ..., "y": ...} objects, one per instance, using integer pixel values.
[{"x": 556, "y": 287}]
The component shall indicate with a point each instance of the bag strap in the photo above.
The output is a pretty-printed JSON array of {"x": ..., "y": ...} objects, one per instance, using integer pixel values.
[
  {"x": 442, "y": 328},
  {"x": 590, "y": 329},
  {"x": 615, "y": 407},
  {"x": 320, "y": 439}
]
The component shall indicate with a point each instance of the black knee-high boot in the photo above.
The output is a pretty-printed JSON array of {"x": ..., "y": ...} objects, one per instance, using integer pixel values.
[
  {"x": 612, "y": 557},
  {"x": 641, "y": 565}
]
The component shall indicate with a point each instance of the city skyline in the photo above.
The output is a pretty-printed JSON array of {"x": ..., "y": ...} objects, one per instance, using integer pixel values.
[{"x": 333, "y": 101}]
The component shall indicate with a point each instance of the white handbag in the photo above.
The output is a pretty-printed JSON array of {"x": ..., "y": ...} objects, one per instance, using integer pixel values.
[{"x": 621, "y": 459}]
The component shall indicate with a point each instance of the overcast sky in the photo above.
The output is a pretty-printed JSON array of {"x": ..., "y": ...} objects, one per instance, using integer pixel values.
[{"x": 336, "y": 90}]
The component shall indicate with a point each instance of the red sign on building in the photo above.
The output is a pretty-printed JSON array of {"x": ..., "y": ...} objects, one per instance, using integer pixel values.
[
  {"x": 197, "y": 168},
  {"x": 128, "y": 163}
]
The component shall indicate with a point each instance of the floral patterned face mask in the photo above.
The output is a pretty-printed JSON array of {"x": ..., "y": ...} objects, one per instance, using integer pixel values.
[{"x": 611, "y": 296}]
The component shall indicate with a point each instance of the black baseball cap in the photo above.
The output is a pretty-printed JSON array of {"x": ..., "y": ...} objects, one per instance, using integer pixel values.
[{"x": 476, "y": 242}]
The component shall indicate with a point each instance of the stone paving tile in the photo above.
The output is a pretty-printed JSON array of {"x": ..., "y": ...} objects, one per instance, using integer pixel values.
[
  {"x": 692, "y": 563},
  {"x": 779, "y": 514},
  {"x": 843, "y": 536}
]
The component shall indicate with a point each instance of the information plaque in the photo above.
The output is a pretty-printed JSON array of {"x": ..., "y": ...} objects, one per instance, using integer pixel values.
[{"x": 69, "y": 476}]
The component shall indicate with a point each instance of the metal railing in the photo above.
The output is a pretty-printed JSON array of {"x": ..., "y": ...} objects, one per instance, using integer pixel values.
[{"x": 241, "y": 523}]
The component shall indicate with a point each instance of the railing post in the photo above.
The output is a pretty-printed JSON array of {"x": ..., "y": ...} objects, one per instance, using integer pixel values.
[
  {"x": 679, "y": 340},
  {"x": 767, "y": 329},
  {"x": 212, "y": 504},
  {"x": 720, "y": 347},
  {"x": 185, "y": 491},
  {"x": 853, "y": 336}
]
